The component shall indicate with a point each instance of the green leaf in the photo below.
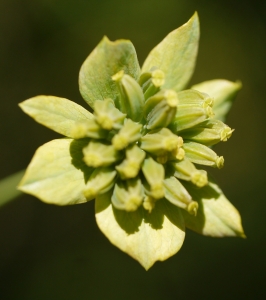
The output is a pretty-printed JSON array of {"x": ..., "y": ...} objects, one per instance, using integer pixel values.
[
  {"x": 216, "y": 217},
  {"x": 147, "y": 237},
  {"x": 224, "y": 93},
  {"x": 8, "y": 187},
  {"x": 107, "y": 59},
  {"x": 58, "y": 114},
  {"x": 176, "y": 55},
  {"x": 57, "y": 174}
]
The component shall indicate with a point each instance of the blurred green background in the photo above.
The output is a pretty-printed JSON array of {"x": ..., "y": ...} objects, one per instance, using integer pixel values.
[{"x": 49, "y": 252}]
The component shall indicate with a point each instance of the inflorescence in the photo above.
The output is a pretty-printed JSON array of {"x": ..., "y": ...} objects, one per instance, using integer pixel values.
[{"x": 146, "y": 144}]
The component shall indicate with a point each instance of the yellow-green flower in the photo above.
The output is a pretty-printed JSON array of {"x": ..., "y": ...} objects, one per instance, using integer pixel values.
[{"x": 139, "y": 153}]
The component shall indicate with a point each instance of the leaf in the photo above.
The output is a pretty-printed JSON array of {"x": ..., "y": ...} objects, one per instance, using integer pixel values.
[
  {"x": 147, "y": 237},
  {"x": 57, "y": 174},
  {"x": 107, "y": 59},
  {"x": 176, "y": 55},
  {"x": 58, "y": 114},
  {"x": 224, "y": 93},
  {"x": 216, "y": 216},
  {"x": 8, "y": 187}
]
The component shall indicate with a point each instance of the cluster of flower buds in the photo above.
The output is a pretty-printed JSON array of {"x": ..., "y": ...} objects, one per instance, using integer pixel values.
[
  {"x": 139, "y": 153},
  {"x": 144, "y": 144}
]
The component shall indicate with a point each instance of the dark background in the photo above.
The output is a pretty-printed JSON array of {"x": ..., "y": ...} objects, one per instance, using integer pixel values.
[{"x": 49, "y": 252}]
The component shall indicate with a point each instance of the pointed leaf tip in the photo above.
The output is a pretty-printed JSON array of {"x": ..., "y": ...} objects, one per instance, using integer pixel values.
[
  {"x": 216, "y": 217},
  {"x": 176, "y": 55}
]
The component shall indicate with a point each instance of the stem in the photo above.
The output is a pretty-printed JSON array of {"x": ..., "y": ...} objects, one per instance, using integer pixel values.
[{"x": 8, "y": 187}]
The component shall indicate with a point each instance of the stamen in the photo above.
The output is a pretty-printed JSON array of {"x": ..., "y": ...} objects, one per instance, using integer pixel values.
[
  {"x": 226, "y": 134},
  {"x": 193, "y": 208}
]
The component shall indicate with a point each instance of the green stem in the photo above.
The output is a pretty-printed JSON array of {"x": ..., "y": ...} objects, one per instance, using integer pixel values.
[{"x": 8, "y": 187}]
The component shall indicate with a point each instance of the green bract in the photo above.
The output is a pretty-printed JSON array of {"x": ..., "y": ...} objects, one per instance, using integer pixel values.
[{"x": 139, "y": 153}]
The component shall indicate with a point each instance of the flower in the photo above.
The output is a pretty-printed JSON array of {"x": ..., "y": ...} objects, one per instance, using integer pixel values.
[{"x": 138, "y": 154}]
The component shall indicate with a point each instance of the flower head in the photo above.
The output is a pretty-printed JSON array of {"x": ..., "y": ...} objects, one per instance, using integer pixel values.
[{"x": 140, "y": 152}]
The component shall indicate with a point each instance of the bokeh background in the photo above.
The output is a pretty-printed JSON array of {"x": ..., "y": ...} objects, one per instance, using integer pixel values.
[{"x": 49, "y": 252}]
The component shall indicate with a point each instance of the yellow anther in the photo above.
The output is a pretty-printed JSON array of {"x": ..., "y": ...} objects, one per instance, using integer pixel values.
[
  {"x": 208, "y": 102},
  {"x": 180, "y": 154},
  {"x": 193, "y": 208},
  {"x": 105, "y": 121},
  {"x": 158, "y": 78},
  {"x": 170, "y": 144},
  {"x": 226, "y": 134},
  {"x": 220, "y": 162},
  {"x": 157, "y": 190},
  {"x": 199, "y": 178},
  {"x": 120, "y": 141},
  {"x": 93, "y": 160},
  {"x": 149, "y": 203},
  {"x": 171, "y": 98}
]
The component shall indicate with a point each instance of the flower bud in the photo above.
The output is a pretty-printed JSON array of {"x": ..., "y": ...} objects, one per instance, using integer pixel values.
[
  {"x": 169, "y": 95},
  {"x": 155, "y": 76},
  {"x": 149, "y": 203},
  {"x": 180, "y": 154},
  {"x": 186, "y": 170},
  {"x": 194, "y": 98},
  {"x": 160, "y": 142},
  {"x": 88, "y": 128},
  {"x": 160, "y": 109},
  {"x": 189, "y": 117},
  {"x": 177, "y": 154},
  {"x": 151, "y": 82},
  {"x": 130, "y": 166},
  {"x": 209, "y": 132},
  {"x": 98, "y": 154},
  {"x": 131, "y": 96},
  {"x": 154, "y": 174},
  {"x": 100, "y": 181},
  {"x": 107, "y": 116},
  {"x": 224, "y": 93},
  {"x": 193, "y": 108},
  {"x": 129, "y": 133},
  {"x": 201, "y": 154},
  {"x": 128, "y": 195},
  {"x": 179, "y": 196}
]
